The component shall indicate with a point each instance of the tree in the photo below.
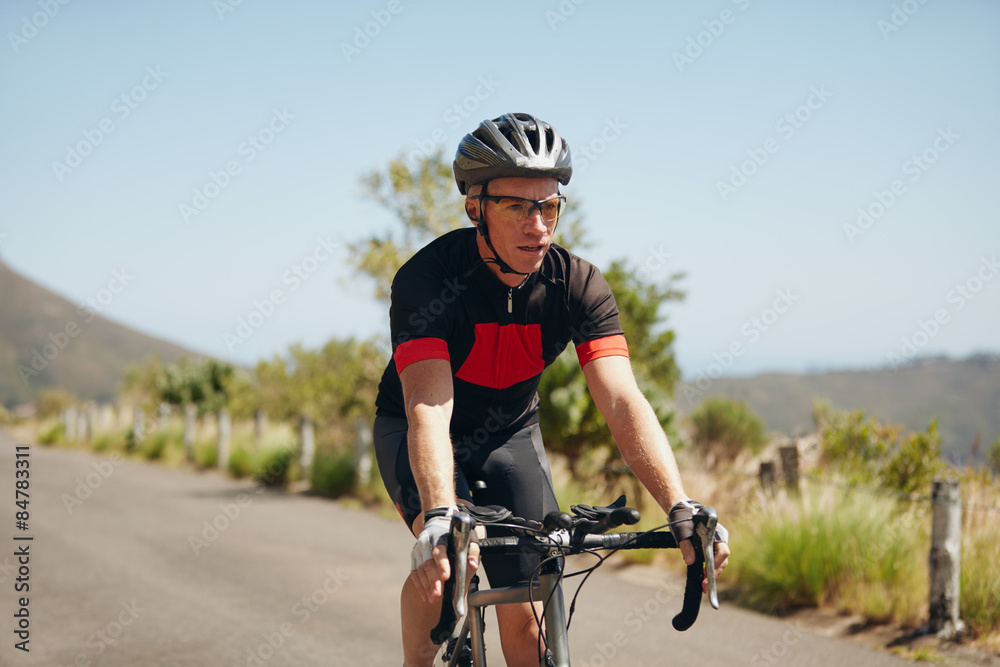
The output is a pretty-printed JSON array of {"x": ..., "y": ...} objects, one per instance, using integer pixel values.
[
  {"x": 335, "y": 384},
  {"x": 424, "y": 200},
  {"x": 723, "y": 428},
  {"x": 206, "y": 384}
]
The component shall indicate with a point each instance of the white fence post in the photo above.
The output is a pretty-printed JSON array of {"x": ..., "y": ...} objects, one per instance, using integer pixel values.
[
  {"x": 307, "y": 440},
  {"x": 362, "y": 453},
  {"x": 189, "y": 415},
  {"x": 946, "y": 559},
  {"x": 225, "y": 433}
]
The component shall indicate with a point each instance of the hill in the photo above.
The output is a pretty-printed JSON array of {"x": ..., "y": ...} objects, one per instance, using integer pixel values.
[
  {"x": 964, "y": 395},
  {"x": 46, "y": 341}
]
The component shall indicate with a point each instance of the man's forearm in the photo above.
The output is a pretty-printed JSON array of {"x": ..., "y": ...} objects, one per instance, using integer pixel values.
[
  {"x": 645, "y": 449},
  {"x": 431, "y": 457}
]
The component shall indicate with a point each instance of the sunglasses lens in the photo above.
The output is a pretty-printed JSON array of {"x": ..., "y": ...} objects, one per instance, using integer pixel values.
[{"x": 516, "y": 209}]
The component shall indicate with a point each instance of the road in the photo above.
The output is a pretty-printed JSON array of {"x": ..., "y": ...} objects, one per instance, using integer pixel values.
[{"x": 134, "y": 564}]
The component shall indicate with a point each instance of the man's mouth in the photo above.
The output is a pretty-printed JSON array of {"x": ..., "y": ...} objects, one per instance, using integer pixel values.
[{"x": 533, "y": 249}]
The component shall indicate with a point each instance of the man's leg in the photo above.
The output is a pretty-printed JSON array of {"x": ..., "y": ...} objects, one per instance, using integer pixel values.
[{"x": 519, "y": 634}]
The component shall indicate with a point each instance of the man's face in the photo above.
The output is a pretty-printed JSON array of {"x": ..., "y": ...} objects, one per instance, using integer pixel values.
[{"x": 521, "y": 244}]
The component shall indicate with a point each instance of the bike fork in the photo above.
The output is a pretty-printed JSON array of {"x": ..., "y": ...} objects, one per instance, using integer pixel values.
[{"x": 554, "y": 610}]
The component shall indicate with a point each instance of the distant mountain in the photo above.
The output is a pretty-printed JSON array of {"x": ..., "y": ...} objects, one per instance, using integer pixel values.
[
  {"x": 963, "y": 395},
  {"x": 46, "y": 341}
]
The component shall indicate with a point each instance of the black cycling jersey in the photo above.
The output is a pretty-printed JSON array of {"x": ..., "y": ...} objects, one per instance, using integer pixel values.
[{"x": 447, "y": 304}]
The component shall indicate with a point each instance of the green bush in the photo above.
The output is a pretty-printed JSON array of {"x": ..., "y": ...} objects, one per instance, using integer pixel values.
[
  {"x": 240, "y": 461},
  {"x": 205, "y": 453},
  {"x": 53, "y": 434},
  {"x": 333, "y": 472},
  {"x": 107, "y": 442},
  {"x": 156, "y": 444},
  {"x": 854, "y": 552},
  {"x": 724, "y": 428},
  {"x": 273, "y": 463},
  {"x": 867, "y": 452}
]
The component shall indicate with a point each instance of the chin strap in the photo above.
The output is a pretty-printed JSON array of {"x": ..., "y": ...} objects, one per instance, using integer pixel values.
[
  {"x": 484, "y": 230},
  {"x": 496, "y": 259}
]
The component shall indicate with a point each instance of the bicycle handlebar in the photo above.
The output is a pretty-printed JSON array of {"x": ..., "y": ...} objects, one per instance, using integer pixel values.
[{"x": 585, "y": 537}]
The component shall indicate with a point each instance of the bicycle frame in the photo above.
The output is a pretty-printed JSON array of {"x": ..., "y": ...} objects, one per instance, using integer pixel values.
[{"x": 548, "y": 591}]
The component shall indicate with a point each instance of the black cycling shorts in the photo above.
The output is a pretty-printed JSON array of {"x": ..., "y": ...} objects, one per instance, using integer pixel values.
[{"x": 513, "y": 467}]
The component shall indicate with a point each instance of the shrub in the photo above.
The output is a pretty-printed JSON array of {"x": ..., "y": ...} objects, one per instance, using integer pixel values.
[
  {"x": 51, "y": 402},
  {"x": 273, "y": 463},
  {"x": 155, "y": 444},
  {"x": 724, "y": 428},
  {"x": 240, "y": 461},
  {"x": 205, "y": 453},
  {"x": 867, "y": 452},
  {"x": 53, "y": 434},
  {"x": 106, "y": 442},
  {"x": 333, "y": 472}
]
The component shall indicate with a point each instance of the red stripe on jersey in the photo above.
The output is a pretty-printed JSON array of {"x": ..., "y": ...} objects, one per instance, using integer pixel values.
[
  {"x": 504, "y": 355},
  {"x": 418, "y": 350},
  {"x": 609, "y": 346}
]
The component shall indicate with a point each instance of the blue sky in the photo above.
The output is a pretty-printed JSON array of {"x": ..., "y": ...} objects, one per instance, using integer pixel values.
[{"x": 732, "y": 141}]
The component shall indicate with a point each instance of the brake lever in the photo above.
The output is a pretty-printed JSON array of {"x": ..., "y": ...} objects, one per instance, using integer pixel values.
[
  {"x": 454, "y": 603},
  {"x": 706, "y": 533},
  {"x": 462, "y": 526}
]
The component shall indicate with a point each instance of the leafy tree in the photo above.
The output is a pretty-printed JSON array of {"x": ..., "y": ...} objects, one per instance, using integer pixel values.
[
  {"x": 336, "y": 383},
  {"x": 206, "y": 384},
  {"x": 424, "y": 199},
  {"x": 724, "y": 428}
]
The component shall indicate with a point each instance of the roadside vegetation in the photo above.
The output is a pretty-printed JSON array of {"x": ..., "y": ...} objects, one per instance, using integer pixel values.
[{"x": 855, "y": 538}]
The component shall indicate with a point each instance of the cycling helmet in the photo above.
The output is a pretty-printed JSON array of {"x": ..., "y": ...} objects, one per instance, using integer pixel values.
[{"x": 515, "y": 144}]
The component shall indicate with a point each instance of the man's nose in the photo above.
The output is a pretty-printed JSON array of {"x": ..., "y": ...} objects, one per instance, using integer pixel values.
[{"x": 535, "y": 223}]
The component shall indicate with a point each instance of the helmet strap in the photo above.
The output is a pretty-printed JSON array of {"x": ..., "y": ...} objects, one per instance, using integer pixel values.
[{"x": 484, "y": 230}]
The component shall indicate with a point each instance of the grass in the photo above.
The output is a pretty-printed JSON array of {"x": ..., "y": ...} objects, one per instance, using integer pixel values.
[
  {"x": 858, "y": 553},
  {"x": 980, "y": 578}
]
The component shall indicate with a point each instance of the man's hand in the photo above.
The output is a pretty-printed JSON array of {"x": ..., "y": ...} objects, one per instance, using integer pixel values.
[
  {"x": 429, "y": 558},
  {"x": 682, "y": 527}
]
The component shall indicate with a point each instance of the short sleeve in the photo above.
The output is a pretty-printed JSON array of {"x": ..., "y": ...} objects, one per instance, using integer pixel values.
[
  {"x": 419, "y": 314},
  {"x": 596, "y": 330}
]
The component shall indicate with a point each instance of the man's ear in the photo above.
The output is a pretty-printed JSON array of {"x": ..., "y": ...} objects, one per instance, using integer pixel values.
[{"x": 472, "y": 209}]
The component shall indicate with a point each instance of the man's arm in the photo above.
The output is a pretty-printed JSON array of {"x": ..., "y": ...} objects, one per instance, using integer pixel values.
[
  {"x": 428, "y": 393},
  {"x": 640, "y": 437},
  {"x": 635, "y": 428}
]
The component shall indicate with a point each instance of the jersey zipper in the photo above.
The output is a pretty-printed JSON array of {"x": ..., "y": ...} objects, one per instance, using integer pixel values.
[{"x": 510, "y": 300}]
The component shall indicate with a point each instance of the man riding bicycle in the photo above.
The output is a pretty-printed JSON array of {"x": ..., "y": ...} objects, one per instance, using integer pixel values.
[{"x": 475, "y": 317}]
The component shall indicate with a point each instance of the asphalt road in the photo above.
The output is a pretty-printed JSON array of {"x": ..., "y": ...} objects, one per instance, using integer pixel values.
[{"x": 134, "y": 564}]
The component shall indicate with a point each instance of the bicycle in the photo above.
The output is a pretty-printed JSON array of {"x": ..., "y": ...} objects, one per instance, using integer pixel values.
[{"x": 558, "y": 536}]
